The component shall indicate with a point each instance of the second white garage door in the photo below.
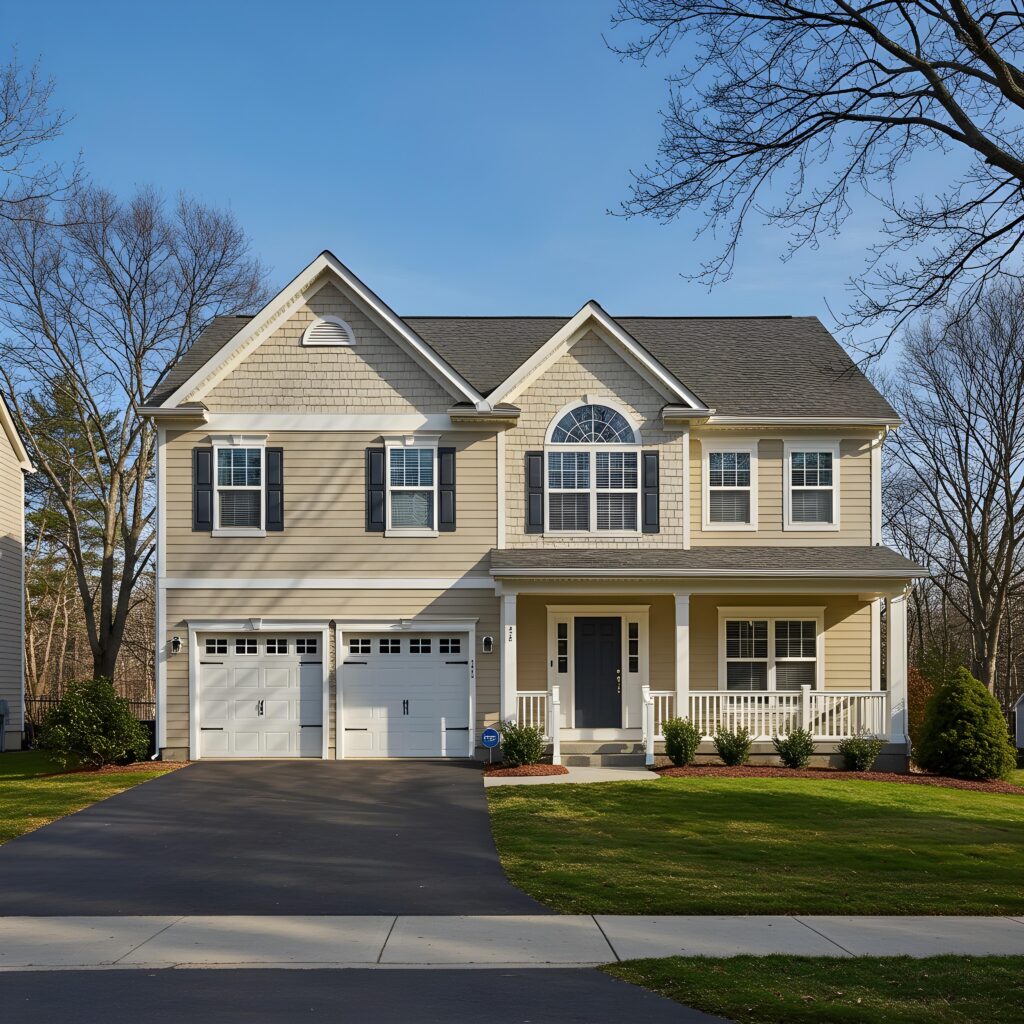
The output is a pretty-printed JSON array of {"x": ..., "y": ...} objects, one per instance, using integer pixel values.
[{"x": 405, "y": 695}]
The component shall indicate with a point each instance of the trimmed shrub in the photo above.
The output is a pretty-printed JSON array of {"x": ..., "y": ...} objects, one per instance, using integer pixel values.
[
  {"x": 860, "y": 752},
  {"x": 964, "y": 732},
  {"x": 794, "y": 750},
  {"x": 733, "y": 747},
  {"x": 521, "y": 744},
  {"x": 682, "y": 738},
  {"x": 920, "y": 689},
  {"x": 93, "y": 726}
]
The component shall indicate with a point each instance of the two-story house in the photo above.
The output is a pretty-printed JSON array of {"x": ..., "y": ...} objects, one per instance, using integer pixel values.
[{"x": 380, "y": 534}]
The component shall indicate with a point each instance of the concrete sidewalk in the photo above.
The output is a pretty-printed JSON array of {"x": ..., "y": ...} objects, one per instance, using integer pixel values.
[
  {"x": 51, "y": 943},
  {"x": 576, "y": 774}
]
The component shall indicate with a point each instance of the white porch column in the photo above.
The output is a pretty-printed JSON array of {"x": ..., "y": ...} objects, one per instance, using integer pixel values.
[
  {"x": 508, "y": 687},
  {"x": 896, "y": 665},
  {"x": 682, "y": 655}
]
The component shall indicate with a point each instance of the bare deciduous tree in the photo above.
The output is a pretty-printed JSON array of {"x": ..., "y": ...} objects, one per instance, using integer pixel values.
[
  {"x": 28, "y": 120},
  {"x": 794, "y": 109},
  {"x": 93, "y": 311},
  {"x": 957, "y": 497}
]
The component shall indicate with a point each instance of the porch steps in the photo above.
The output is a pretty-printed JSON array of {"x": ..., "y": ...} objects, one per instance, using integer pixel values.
[{"x": 602, "y": 754}]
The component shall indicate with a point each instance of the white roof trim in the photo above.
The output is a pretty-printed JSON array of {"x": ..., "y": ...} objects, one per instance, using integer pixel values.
[
  {"x": 20, "y": 451},
  {"x": 257, "y": 330},
  {"x": 722, "y": 573},
  {"x": 633, "y": 352}
]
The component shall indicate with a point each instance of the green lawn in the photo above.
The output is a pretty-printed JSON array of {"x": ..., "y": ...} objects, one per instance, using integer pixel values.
[
  {"x": 827, "y": 990},
  {"x": 1017, "y": 777},
  {"x": 31, "y": 795},
  {"x": 762, "y": 846}
]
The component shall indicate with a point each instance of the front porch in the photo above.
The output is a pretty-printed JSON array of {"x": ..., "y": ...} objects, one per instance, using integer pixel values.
[{"x": 599, "y": 671}]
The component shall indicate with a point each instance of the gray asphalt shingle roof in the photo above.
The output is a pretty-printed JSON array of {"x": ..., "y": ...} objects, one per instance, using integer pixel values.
[
  {"x": 739, "y": 366},
  {"x": 850, "y": 560}
]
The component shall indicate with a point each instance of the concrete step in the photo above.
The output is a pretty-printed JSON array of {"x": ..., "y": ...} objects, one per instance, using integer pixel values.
[
  {"x": 601, "y": 747},
  {"x": 602, "y": 760}
]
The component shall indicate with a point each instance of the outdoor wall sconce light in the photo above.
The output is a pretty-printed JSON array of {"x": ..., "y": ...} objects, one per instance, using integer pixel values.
[
  {"x": 488, "y": 644},
  {"x": 175, "y": 645}
]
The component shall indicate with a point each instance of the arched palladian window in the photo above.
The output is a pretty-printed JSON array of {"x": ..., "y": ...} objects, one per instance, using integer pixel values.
[{"x": 593, "y": 472}]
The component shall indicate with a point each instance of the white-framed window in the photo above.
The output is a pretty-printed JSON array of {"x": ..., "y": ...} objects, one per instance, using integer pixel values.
[
  {"x": 729, "y": 477},
  {"x": 592, "y": 471},
  {"x": 239, "y": 485},
  {"x": 771, "y": 649},
  {"x": 811, "y": 485},
  {"x": 420, "y": 645},
  {"x": 359, "y": 645},
  {"x": 307, "y": 645},
  {"x": 411, "y": 476},
  {"x": 277, "y": 645},
  {"x": 327, "y": 331},
  {"x": 449, "y": 645},
  {"x": 217, "y": 645},
  {"x": 389, "y": 645},
  {"x": 246, "y": 645}
]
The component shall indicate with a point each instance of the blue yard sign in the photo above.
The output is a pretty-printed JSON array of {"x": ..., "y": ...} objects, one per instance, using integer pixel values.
[{"x": 489, "y": 738}]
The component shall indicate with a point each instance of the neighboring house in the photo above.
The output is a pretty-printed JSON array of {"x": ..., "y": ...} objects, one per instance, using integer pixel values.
[
  {"x": 378, "y": 535},
  {"x": 14, "y": 464}
]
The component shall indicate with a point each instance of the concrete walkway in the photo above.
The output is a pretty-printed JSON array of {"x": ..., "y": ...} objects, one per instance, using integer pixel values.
[
  {"x": 582, "y": 774},
  {"x": 48, "y": 943}
]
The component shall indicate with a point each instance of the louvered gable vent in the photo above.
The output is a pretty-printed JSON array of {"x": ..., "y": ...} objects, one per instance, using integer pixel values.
[{"x": 328, "y": 330}]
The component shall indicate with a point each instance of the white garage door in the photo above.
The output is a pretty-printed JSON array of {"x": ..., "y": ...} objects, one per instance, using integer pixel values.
[
  {"x": 406, "y": 695},
  {"x": 260, "y": 696}
]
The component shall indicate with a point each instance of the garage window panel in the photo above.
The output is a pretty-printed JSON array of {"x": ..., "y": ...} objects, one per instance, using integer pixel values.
[
  {"x": 217, "y": 645},
  {"x": 358, "y": 645},
  {"x": 310, "y": 645},
  {"x": 246, "y": 645},
  {"x": 450, "y": 645},
  {"x": 389, "y": 645},
  {"x": 277, "y": 646},
  {"x": 420, "y": 645}
]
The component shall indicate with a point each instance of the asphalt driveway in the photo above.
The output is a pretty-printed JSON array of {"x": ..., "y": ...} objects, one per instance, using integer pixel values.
[{"x": 271, "y": 837}]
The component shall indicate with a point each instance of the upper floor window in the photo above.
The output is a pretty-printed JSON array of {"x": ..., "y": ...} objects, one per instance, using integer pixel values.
[
  {"x": 730, "y": 486},
  {"x": 412, "y": 488},
  {"x": 239, "y": 488},
  {"x": 593, "y": 472},
  {"x": 812, "y": 486}
]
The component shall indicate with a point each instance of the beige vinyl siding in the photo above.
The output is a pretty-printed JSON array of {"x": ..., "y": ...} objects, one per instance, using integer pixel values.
[
  {"x": 854, "y": 494},
  {"x": 531, "y": 648},
  {"x": 12, "y": 553},
  {"x": 383, "y": 605},
  {"x": 847, "y": 635},
  {"x": 373, "y": 376},
  {"x": 591, "y": 368},
  {"x": 324, "y": 515}
]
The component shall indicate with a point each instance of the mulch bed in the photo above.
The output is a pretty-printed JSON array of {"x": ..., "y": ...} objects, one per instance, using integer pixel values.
[
  {"x": 526, "y": 769},
  {"x": 751, "y": 771},
  {"x": 125, "y": 769}
]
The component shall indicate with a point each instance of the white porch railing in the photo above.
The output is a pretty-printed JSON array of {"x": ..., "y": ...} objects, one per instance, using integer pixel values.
[
  {"x": 533, "y": 709},
  {"x": 664, "y": 708},
  {"x": 828, "y": 715}
]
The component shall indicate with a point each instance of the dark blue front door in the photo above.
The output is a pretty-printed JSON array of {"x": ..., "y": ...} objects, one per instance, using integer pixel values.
[{"x": 598, "y": 693}]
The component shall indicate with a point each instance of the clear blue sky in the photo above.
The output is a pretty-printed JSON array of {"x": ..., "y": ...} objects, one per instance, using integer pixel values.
[{"x": 460, "y": 156}]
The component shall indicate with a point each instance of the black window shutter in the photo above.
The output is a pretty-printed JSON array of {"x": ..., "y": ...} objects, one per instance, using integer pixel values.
[
  {"x": 534, "y": 492},
  {"x": 446, "y": 490},
  {"x": 375, "y": 490},
  {"x": 202, "y": 489},
  {"x": 275, "y": 489},
  {"x": 652, "y": 520}
]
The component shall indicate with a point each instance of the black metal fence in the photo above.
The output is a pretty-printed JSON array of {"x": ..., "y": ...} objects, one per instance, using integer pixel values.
[{"x": 37, "y": 707}]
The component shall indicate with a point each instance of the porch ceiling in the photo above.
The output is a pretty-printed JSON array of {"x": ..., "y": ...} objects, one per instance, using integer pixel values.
[{"x": 790, "y": 562}]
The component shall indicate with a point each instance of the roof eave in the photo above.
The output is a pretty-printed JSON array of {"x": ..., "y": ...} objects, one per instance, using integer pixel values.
[{"x": 918, "y": 572}]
